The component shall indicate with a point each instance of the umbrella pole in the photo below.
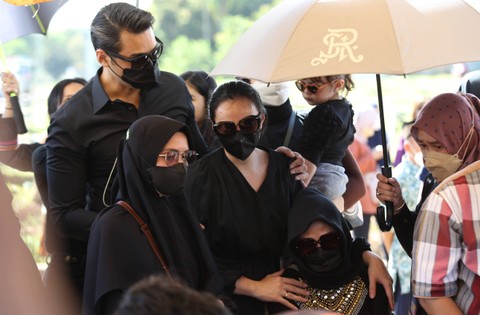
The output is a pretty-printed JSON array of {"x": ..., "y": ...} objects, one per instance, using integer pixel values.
[{"x": 384, "y": 221}]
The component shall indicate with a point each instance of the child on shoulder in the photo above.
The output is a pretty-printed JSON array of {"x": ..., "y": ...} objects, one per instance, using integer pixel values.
[{"x": 328, "y": 131}]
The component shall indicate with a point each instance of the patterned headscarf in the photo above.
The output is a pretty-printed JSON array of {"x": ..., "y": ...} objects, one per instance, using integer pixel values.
[{"x": 448, "y": 118}]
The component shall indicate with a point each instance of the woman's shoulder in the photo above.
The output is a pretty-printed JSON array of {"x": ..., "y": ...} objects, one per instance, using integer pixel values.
[{"x": 111, "y": 220}]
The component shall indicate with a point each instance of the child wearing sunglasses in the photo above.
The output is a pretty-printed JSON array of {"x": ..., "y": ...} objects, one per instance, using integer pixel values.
[
  {"x": 322, "y": 254},
  {"x": 328, "y": 131}
]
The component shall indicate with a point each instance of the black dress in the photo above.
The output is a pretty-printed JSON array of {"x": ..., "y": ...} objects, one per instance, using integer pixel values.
[
  {"x": 119, "y": 253},
  {"x": 246, "y": 230}
]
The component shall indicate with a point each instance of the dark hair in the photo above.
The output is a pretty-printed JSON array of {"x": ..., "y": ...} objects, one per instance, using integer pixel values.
[
  {"x": 349, "y": 85},
  {"x": 114, "y": 18},
  {"x": 201, "y": 82},
  {"x": 56, "y": 95},
  {"x": 232, "y": 90},
  {"x": 160, "y": 295}
]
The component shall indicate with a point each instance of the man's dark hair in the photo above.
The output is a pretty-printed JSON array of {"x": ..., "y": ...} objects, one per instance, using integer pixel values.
[
  {"x": 232, "y": 90},
  {"x": 160, "y": 295},
  {"x": 114, "y": 18}
]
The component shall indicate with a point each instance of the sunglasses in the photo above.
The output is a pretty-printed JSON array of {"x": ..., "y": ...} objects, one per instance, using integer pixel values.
[
  {"x": 171, "y": 157},
  {"x": 306, "y": 246},
  {"x": 249, "y": 124},
  {"x": 312, "y": 88},
  {"x": 139, "y": 62}
]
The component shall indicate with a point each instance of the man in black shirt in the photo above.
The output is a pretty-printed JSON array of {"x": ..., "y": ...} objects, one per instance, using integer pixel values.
[{"x": 84, "y": 134}]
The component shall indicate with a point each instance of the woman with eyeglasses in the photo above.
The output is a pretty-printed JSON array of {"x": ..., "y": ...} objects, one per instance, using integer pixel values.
[
  {"x": 150, "y": 229},
  {"x": 328, "y": 131},
  {"x": 321, "y": 252},
  {"x": 242, "y": 194}
]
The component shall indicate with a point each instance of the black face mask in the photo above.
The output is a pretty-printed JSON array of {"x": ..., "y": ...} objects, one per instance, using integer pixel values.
[
  {"x": 323, "y": 260},
  {"x": 168, "y": 181},
  {"x": 240, "y": 145},
  {"x": 144, "y": 78}
]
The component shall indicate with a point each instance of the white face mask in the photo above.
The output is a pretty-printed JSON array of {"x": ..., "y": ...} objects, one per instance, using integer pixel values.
[{"x": 275, "y": 94}]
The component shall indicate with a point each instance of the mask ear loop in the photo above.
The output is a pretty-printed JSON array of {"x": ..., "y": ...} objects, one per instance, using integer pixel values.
[{"x": 469, "y": 136}]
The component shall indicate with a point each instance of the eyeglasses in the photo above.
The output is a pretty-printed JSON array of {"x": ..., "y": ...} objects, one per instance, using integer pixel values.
[
  {"x": 312, "y": 88},
  {"x": 249, "y": 124},
  {"x": 171, "y": 157},
  {"x": 139, "y": 62},
  {"x": 306, "y": 246}
]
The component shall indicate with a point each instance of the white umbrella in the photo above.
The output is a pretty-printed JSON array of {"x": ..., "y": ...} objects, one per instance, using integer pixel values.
[{"x": 308, "y": 38}]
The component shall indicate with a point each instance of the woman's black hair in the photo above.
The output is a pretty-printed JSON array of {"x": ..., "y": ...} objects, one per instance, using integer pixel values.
[
  {"x": 202, "y": 83},
  {"x": 232, "y": 90},
  {"x": 56, "y": 95}
]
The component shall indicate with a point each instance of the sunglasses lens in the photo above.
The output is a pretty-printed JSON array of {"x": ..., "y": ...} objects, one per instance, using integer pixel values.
[
  {"x": 249, "y": 124},
  {"x": 312, "y": 89},
  {"x": 300, "y": 85},
  {"x": 304, "y": 246},
  {"x": 171, "y": 158},
  {"x": 330, "y": 241},
  {"x": 225, "y": 128}
]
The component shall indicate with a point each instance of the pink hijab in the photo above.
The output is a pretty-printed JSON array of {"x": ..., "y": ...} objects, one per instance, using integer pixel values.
[{"x": 448, "y": 118}]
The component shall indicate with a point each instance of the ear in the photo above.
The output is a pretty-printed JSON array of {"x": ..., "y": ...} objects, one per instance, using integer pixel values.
[
  {"x": 262, "y": 121},
  {"x": 102, "y": 57},
  {"x": 338, "y": 84}
]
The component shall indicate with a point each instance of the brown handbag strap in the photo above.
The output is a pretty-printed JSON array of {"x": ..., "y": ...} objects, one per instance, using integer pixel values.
[{"x": 148, "y": 234}]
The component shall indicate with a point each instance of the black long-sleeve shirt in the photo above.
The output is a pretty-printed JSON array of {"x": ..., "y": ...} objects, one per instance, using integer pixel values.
[{"x": 82, "y": 146}]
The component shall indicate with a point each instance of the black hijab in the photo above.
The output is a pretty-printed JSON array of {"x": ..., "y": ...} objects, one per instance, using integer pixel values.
[
  {"x": 176, "y": 232},
  {"x": 311, "y": 205}
]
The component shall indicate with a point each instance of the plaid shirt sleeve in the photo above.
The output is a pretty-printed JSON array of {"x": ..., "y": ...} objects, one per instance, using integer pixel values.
[{"x": 436, "y": 249}]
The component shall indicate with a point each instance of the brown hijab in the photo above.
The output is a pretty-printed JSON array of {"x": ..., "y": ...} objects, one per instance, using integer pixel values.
[{"x": 448, "y": 118}]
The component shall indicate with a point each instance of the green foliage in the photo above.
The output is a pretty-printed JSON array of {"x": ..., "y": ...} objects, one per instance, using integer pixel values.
[{"x": 187, "y": 54}]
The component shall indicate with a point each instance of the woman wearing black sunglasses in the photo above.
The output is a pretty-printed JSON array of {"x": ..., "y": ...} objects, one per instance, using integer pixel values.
[
  {"x": 323, "y": 254},
  {"x": 242, "y": 194}
]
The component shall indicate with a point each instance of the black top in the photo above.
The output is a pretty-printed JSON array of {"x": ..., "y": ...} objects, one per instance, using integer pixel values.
[
  {"x": 246, "y": 230},
  {"x": 404, "y": 221},
  {"x": 83, "y": 138},
  {"x": 311, "y": 205},
  {"x": 327, "y": 132},
  {"x": 278, "y": 118},
  {"x": 119, "y": 253}
]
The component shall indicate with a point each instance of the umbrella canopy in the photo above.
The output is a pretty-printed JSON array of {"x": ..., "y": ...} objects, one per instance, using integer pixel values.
[
  {"x": 19, "y": 21},
  {"x": 307, "y": 38}
]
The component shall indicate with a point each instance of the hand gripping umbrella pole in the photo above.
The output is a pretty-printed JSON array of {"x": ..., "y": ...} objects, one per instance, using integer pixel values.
[{"x": 384, "y": 213}]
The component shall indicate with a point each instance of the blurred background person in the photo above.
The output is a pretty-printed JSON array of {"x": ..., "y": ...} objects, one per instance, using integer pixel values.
[
  {"x": 399, "y": 263},
  {"x": 365, "y": 120},
  {"x": 201, "y": 86}
]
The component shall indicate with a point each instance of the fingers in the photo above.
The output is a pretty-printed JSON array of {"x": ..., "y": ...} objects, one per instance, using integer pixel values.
[{"x": 285, "y": 151}]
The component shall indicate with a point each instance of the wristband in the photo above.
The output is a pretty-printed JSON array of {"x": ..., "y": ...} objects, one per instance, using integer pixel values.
[{"x": 401, "y": 206}]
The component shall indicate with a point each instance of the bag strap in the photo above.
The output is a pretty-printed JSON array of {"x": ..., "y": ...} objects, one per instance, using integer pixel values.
[
  {"x": 148, "y": 234},
  {"x": 291, "y": 123}
]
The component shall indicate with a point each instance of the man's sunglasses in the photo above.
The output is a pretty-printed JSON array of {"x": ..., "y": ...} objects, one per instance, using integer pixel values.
[
  {"x": 139, "y": 62},
  {"x": 171, "y": 157},
  {"x": 249, "y": 124},
  {"x": 306, "y": 246},
  {"x": 312, "y": 88}
]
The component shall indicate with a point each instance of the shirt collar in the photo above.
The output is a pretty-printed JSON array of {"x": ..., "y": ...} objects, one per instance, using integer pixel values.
[{"x": 100, "y": 98}]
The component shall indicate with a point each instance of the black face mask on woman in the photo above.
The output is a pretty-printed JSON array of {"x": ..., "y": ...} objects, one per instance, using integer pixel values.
[
  {"x": 168, "y": 181},
  {"x": 240, "y": 145},
  {"x": 323, "y": 260}
]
